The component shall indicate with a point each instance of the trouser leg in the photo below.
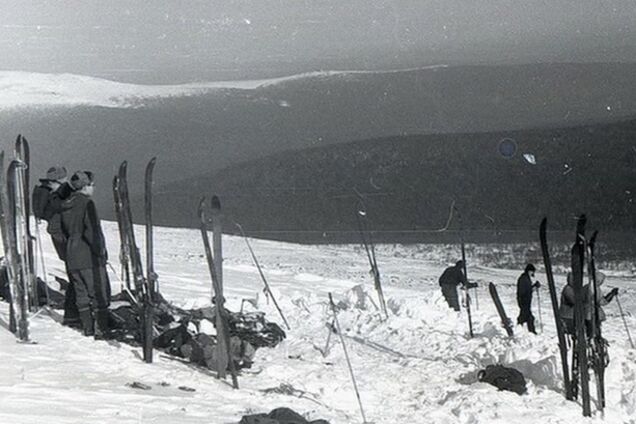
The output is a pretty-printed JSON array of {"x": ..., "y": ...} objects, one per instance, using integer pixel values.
[
  {"x": 450, "y": 294},
  {"x": 531, "y": 327},
  {"x": 102, "y": 298},
  {"x": 84, "y": 293}
]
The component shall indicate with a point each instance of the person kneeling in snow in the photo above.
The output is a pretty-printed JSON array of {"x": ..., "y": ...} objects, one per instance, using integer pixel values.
[
  {"x": 450, "y": 279},
  {"x": 86, "y": 255},
  {"x": 524, "y": 297}
]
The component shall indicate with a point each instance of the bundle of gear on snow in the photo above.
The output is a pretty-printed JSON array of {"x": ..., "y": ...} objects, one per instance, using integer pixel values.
[
  {"x": 191, "y": 334},
  {"x": 187, "y": 334},
  {"x": 279, "y": 416},
  {"x": 503, "y": 378}
]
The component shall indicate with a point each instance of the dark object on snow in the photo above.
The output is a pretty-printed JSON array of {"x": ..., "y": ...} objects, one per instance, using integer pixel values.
[
  {"x": 505, "y": 321},
  {"x": 503, "y": 378},
  {"x": 138, "y": 385},
  {"x": 279, "y": 416}
]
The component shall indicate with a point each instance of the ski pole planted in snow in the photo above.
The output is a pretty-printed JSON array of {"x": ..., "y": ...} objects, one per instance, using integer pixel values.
[
  {"x": 260, "y": 271},
  {"x": 344, "y": 348},
  {"x": 620, "y": 309},
  {"x": 539, "y": 307}
]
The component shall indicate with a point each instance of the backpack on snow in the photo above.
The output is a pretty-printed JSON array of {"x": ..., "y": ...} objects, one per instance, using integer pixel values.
[{"x": 503, "y": 378}]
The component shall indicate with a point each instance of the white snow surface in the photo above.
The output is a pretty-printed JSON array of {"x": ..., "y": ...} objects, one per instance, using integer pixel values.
[
  {"x": 20, "y": 89},
  {"x": 417, "y": 366}
]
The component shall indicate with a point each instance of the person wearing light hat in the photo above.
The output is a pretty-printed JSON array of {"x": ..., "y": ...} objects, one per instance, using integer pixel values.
[
  {"x": 86, "y": 255},
  {"x": 524, "y": 297}
]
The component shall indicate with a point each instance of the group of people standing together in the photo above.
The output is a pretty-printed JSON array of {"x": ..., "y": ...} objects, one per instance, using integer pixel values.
[
  {"x": 454, "y": 276},
  {"x": 75, "y": 229}
]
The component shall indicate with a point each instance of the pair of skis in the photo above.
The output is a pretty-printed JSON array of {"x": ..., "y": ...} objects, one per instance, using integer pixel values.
[
  {"x": 580, "y": 361},
  {"x": 16, "y": 237},
  {"x": 143, "y": 290},
  {"x": 369, "y": 247},
  {"x": 215, "y": 266}
]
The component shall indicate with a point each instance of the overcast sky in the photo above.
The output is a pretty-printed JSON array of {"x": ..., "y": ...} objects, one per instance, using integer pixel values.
[{"x": 176, "y": 41}]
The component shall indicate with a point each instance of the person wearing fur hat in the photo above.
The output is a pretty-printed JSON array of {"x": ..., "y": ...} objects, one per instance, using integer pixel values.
[
  {"x": 47, "y": 199},
  {"x": 525, "y": 287},
  {"x": 450, "y": 279},
  {"x": 86, "y": 255}
]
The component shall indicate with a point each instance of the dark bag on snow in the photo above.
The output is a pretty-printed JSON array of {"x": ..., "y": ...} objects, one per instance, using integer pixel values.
[
  {"x": 279, "y": 416},
  {"x": 503, "y": 378}
]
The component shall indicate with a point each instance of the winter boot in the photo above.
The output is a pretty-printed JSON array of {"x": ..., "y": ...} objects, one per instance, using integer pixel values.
[
  {"x": 102, "y": 330},
  {"x": 88, "y": 326}
]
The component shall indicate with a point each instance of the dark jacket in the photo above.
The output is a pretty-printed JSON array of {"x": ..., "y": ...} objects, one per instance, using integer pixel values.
[
  {"x": 85, "y": 247},
  {"x": 453, "y": 276},
  {"x": 47, "y": 203},
  {"x": 524, "y": 291}
]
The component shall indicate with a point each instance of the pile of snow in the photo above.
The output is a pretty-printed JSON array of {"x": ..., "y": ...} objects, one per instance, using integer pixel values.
[{"x": 419, "y": 365}]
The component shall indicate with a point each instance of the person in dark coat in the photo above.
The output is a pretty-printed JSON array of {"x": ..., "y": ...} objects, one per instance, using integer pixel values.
[
  {"x": 450, "y": 279},
  {"x": 47, "y": 199},
  {"x": 86, "y": 255},
  {"x": 525, "y": 287}
]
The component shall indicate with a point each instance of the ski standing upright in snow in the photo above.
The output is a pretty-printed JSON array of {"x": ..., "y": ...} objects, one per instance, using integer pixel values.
[
  {"x": 15, "y": 231},
  {"x": 6, "y": 227},
  {"x": 600, "y": 357},
  {"x": 563, "y": 349},
  {"x": 150, "y": 289},
  {"x": 580, "y": 364},
  {"x": 369, "y": 247},
  {"x": 463, "y": 248},
  {"x": 142, "y": 291},
  {"x": 224, "y": 354},
  {"x": 23, "y": 155}
]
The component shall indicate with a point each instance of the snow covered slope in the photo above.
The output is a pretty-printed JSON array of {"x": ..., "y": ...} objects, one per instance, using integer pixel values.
[{"x": 419, "y": 366}]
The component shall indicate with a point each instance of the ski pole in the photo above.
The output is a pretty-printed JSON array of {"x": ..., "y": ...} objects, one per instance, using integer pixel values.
[
  {"x": 344, "y": 348},
  {"x": 539, "y": 306},
  {"x": 620, "y": 309},
  {"x": 38, "y": 241},
  {"x": 260, "y": 271}
]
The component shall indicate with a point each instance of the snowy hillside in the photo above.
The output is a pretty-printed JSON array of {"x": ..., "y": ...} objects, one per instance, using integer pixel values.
[
  {"x": 419, "y": 366},
  {"x": 32, "y": 89}
]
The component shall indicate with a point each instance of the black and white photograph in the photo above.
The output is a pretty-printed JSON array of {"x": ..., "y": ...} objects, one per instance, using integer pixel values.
[{"x": 317, "y": 211}]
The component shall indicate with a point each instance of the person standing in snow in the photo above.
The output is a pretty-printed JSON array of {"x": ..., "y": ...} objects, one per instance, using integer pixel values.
[
  {"x": 600, "y": 300},
  {"x": 566, "y": 309},
  {"x": 47, "y": 199},
  {"x": 86, "y": 255},
  {"x": 525, "y": 287},
  {"x": 450, "y": 279}
]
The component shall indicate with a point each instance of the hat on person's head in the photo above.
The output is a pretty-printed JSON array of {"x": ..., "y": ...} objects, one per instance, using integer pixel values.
[
  {"x": 80, "y": 179},
  {"x": 530, "y": 268},
  {"x": 55, "y": 173},
  {"x": 459, "y": 263}
]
